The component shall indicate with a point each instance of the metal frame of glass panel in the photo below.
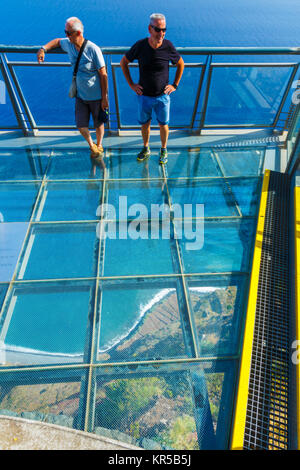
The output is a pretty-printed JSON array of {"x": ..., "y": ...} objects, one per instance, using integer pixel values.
[
  {"x": 91, "y": 369},
  {"x": 294, "y": 68}
]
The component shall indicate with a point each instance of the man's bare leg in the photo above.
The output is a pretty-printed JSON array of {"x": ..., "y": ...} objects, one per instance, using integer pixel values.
[
  {"x": 145, "y": 152},
  {"x": 100, "y": 134},
  {"x": 84, "y": 131},
  {"x": 164, "y": 134},
  {"x": 145, "y": 129}
]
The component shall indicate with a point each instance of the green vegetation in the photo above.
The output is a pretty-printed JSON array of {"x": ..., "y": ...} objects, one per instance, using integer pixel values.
[
  {"x": 126, "y": 399},
  {"x": 160, "y": 409},
  {"x": 181, "y": 434}
]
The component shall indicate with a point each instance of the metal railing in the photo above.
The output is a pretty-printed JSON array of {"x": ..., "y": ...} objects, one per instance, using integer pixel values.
[{"x": 213, "y": 94}]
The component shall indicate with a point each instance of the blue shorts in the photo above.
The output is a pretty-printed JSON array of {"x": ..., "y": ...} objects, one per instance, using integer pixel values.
[{"x": 159, "y": 104}]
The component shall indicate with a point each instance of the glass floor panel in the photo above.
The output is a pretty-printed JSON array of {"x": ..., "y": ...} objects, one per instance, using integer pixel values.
[
  {"x": 220, "y": 198},
  {"x": 42, "y": 397},
  {"x": 73, "y": 164},
  {"x": 17, "y": 201},
  {"x": 56, "y": 251},
  {"x": 128, "y": 197},
  {"x": 45, "y": 323},
  {"x": 179, "y": 410},
  {"x": 23, "y": 164},
  {"x": 217, "y": 247},
  {"x": 236, "y": 162},
  {"x": 12, "y": 236},
  {"x": 127, "y": 257},
  {"x": 192, "y": 163},
  {"x": 218, "y": 305},
  {"x": 122, "y": 164},
  {"x": 69, "y": 201},
  {"x": 140, "y": 320},
  {"x": 122, "y": 312}
]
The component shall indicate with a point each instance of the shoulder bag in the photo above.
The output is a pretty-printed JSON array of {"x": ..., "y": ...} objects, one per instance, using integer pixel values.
[{"x": 73, "y": 87}]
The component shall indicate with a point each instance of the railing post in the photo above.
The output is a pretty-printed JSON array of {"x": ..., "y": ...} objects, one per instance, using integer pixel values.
[
  {"x": 21, "y": 95},
  {"x": 13, "y": 97},
  {"x": 287, "y": 90},
  {"x": 204, "y": 105},
  {"x": 116, "y": 96}
]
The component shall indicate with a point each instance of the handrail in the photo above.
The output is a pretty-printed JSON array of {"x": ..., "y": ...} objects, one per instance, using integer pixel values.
[
  {"x": 183, "y": 50},
  {"x": 198, "y": 114}
]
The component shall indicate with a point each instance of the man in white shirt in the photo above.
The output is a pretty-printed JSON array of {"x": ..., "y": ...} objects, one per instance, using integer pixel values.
[{"x": 91, "y": 81}]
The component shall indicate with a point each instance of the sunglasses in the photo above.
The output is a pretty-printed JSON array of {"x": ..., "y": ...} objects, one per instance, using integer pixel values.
[
  {"x": 158, "y": 30},
  {"x": 69, "y": 33}
]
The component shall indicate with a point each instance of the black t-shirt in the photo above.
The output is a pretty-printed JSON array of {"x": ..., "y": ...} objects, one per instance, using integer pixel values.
[{"x": 153, "y": 64}]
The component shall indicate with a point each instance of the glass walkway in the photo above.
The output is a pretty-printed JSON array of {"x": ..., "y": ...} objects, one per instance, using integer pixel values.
[{"x": 124, "y": 285}]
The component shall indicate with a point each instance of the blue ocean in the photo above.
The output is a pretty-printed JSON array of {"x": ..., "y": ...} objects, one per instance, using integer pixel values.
[{"x": 190, "y": 23}]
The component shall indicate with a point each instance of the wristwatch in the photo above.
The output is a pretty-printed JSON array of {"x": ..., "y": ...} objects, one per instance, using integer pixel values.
[{"x": 174, "y": 85}]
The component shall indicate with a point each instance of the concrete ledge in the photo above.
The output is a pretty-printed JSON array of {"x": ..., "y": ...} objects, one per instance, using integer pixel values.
[{"x": 24, "y": 434}]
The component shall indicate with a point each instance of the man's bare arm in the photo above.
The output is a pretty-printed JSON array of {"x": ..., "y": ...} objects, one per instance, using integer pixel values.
[
  {"x": 138, "y": 89},
  {"x": 179, "y": 71},
  {"x": 53, "y": 44},
  {"x": 104, "y": 87}
]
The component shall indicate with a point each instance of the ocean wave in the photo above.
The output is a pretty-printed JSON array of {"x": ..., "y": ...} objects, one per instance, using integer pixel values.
[
  {"x": 22, "y": 350},
  {"x": 144, "y": 309},
  {"x": 206, "y": 290}
]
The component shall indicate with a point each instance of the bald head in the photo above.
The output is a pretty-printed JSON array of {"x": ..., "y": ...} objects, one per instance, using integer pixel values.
[{"x": 74, "y": 24}]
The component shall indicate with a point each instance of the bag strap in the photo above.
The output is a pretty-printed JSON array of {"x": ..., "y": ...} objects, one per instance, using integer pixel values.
[{"x": 78, "y": 58}]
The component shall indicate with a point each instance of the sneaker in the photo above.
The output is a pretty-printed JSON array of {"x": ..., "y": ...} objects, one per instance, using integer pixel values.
[
  {"x": 163, "y": 156},
  {"x": 145, "y": 153},
  {"x": 95, "y": 152}
]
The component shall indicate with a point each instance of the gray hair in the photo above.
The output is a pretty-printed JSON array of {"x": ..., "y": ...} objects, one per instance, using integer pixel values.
[
  {"x": 157, "y": 16},
  {"x": 75, "y": 24}
]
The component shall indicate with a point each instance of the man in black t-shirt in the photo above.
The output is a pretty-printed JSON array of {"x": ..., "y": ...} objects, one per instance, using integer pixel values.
[{"x": 154, "y": 54}]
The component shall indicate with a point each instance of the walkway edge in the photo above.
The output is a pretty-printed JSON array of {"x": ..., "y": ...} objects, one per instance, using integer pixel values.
[
  {"x": 239, "y": 422},
  {"x": 297, "y": 297}
]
